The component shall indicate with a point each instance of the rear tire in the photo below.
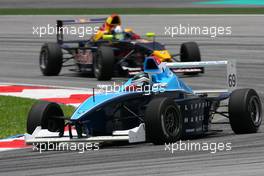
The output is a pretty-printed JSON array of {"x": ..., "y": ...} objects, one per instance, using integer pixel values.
[
  {"x": 190, "y": 52},
  {"x": 41, "y": 114},
  {"x": 245, "y": 111},
  {"x": 50, "y": 59},
  {"x": 104, "y": 63},
  {"x": 163, "y": 121}
]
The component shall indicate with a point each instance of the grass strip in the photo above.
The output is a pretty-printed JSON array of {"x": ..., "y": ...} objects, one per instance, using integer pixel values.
[{"x": 13, "y": 114}]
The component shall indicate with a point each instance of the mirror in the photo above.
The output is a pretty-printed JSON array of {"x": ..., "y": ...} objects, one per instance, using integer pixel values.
[
  {"x": 107, "y": 37},
  {"x": 150, "y": 34}
]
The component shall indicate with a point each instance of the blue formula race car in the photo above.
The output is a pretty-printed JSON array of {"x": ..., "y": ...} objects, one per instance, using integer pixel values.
[{"x": 154, "y": 106}]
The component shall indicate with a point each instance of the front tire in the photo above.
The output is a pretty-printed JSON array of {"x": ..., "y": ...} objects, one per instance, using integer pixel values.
[
  {"x": 50, "y": 59},
  {"x": 103, "y": 63},
  {"x": 42, "y": 114},
  {"x": 245, "y": 111},
  {"x": 163, "y": 121}
]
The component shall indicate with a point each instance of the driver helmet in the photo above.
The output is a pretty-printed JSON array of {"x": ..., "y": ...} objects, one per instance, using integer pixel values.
[
  {"x": 118, "y": 29},
  {"x": 119, "y": 32}
]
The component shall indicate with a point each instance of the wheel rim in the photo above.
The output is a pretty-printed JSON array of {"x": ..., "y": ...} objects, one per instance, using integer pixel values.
[
  {"x": 43, "y": 59},
  {"x": 254, "y": 110},
  {"x": 171, "y": 121}
]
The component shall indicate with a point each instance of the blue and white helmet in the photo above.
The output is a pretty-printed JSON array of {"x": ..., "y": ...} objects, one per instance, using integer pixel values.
[
  {"x": 119, "y": 32},
  {"x": 118, "y": 29}
]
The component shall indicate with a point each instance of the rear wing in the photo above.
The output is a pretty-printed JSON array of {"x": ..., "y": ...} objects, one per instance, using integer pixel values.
[
  {"x": 231, "y": 76},
  {"x": 62, "y": 23}
]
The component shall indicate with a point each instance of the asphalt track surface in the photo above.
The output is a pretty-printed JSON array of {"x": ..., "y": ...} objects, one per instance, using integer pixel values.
[
  {"x": 108, "y": 4},
  {"x": 19, "y": 63}
]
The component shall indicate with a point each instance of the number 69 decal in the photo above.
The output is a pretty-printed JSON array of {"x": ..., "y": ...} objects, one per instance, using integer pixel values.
[
  {"x": 232, "y": 80},
  {"x": 231, "y": 75}
]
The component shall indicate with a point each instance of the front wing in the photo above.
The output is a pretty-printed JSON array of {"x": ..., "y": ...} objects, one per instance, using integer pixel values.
[{"x": 134, "y": 135}]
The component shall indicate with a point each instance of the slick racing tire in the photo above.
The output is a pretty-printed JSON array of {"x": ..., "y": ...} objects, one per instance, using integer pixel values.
[
  {"x": 103, "y": 63},
  {"x": 50, "y": 59},
  {"x": 190, "y": 52},
  {"x": 245, "y": 111},
  {"x": 163, "y": 121},
  {"x": 43, "y": 114}
]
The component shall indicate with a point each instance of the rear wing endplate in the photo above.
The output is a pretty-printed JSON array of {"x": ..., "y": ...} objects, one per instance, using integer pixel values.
[{"x": 231, "y": 76}]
